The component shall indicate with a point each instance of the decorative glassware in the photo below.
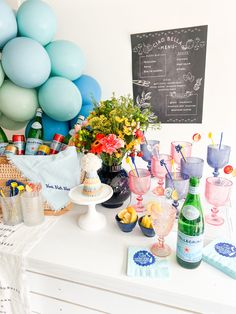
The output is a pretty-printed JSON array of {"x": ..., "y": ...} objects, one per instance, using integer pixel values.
[
  {"x": 192, "y": 166},
  {"x": 160, "y": 171},
  {"x": 147, "y": 149},
  {"x": 217, "y": 157},
  {"x": 179, "y": 183},
  {"x": 186, "y": 150},
  {"x": 217, "y": 193},
  {"x": 139, "y": 184},
  {"x": 11, "y": 207},
  {"x": 163, "y": 218}
]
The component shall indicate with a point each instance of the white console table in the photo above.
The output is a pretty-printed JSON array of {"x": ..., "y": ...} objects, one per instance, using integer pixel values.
[{"x": 73, "y": 271}]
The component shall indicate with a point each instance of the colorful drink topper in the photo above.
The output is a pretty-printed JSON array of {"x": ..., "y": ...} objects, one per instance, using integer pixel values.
[{"x": 196, "y": 137}]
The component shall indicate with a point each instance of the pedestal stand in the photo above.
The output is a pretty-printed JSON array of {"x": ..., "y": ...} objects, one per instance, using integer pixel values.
[{"x": 92, "y": 220}]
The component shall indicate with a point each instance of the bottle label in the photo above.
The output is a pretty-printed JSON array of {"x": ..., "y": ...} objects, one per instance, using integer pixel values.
[
  {"x": 189, "y": 248},
  {"x": 63, "y": 146},
  {"x": 20, "y": 145},
  {"x": 190, "y": 212},
  {"x": 193, "y": 190},
  {"x": 36, "y": 125},
  {"x": 32, "y": 146},
  {"x": 2, "y": 148},
  {"x": 55, "y": 146}
]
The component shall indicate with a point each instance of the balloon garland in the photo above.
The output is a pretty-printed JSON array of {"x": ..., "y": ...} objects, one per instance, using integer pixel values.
[{"x": 37, "y": 71}]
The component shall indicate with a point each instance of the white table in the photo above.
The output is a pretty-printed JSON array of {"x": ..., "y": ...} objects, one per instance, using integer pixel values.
[{"x": 73, "y": 271}]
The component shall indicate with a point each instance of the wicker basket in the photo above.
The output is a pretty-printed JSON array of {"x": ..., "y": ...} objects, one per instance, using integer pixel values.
[{"x": 8, "y": 171}]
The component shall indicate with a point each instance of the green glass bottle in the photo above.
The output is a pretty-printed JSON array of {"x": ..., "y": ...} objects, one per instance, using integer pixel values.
[
  {"x": 35, "y": 135},
  {"x": 3, "y": 141},
  {"x": 190, "y": 228}
]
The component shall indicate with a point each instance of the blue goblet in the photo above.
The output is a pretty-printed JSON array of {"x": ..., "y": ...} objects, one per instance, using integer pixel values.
[
  {"x": 147, "y": 149},
  {"x": 217, "y": 157},
  {"x": 192, "y": 166}
]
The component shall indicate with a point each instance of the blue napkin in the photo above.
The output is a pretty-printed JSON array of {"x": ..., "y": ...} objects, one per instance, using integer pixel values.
[
  {"x": 221, "y": 254},
  {"x": 57, "y": 174},
  {"x": 142, "y": 263}
]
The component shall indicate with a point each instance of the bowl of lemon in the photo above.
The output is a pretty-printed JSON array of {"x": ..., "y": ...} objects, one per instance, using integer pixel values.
[
  {"x": 126, "y": 219},
  {"x": 145, "y": 224}
]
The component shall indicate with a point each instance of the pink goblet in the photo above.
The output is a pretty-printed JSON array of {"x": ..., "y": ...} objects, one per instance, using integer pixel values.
[
  {"x": 160, "y": 171},
  {"x": 139, "y": 184},
  {"x": 185, "y": 151},
  {"x": 217, "y": 193},
  {"x": 163, "y": 218}
]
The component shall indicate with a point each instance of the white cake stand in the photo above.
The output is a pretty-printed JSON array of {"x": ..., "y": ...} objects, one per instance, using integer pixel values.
[{"x": 92, "y": 220}]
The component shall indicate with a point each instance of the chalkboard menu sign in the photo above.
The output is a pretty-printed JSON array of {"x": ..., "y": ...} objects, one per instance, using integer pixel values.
[{"x": 168, "y": 72}]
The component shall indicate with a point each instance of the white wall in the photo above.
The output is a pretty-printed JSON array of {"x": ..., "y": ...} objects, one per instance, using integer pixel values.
[{"x": 102, "y": 29}]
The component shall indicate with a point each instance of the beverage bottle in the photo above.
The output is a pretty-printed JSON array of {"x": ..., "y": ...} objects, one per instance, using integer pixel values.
[
  {"x": 3, "y": 141},
  {"x": 71, "y": 133},
  {"x": 190, "y": 228},
  {"x": 35, "y": 135}
]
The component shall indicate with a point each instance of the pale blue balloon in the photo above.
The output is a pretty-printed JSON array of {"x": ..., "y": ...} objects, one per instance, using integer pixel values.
[
  {"x": 67, "y": 59},
  {"x": 8, "y": 26},
  {"x": 36, "y": 20},
  {"x": 60, "y": 99},
  {"x": 26, "y": 62},
  {"x": 89, "y": 88}
]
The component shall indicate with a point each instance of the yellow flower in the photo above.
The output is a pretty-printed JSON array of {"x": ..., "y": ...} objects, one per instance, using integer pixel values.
[
  {"x": 120, "y": 134},
  {"x": 127, "y": 122},
  {"x": 130, "y": 145},
  {"x": 118, "y": 119},
  {"x": 118, "y": 155},
  {"x": 127, "y": 130},
  {"x": 133, "y": 123}
]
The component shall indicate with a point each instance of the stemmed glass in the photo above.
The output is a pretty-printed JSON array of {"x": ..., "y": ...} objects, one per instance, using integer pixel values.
[
  {"x": 186, "y": 150},
  {"x": 217, "y": 193},
  {"x": 192, "y": 166},
  {"x": 139, "y": 184},
  {"x": 147, "y": 149},
  {"x": 179, "y": 183},
  {"x": 217, "y": 157},
  {"x": 160, "y": 171},
  {"x": 163, "y": 218}
]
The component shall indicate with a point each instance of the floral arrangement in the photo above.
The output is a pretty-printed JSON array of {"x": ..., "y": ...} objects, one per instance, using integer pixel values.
[{"x": 114, "y": 128}]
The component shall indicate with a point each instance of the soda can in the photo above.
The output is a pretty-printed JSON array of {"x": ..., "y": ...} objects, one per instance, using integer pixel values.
[
  {"x": 43, "y": 150},
  {"x": 19, "y": 141},
  {"x": 10, "y": 150},
  {"x": 56, "y": 143}
]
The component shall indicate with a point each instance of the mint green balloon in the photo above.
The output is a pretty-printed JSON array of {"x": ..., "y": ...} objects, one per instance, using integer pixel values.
[
  {"x": 2, "y": 74},
  {"x": 17, "y": 103},
  {"x": 9, "y": 124}
]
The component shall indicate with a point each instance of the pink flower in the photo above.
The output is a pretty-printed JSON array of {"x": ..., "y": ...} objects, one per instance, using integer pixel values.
[{"x": 111, "y": 143}]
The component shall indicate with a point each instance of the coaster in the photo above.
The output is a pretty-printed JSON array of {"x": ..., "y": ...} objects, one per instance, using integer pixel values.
[
  {"x": 142, "y": 263},
  {"x": 221, "y": 254}
]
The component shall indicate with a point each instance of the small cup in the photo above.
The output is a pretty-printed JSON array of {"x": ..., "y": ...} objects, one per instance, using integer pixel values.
[
  {"x": 11, "y": 208},
  {"x": 125, "y": 227},
  {"x": 32, "y": 208},
  {"x": 148, "y": 232}
]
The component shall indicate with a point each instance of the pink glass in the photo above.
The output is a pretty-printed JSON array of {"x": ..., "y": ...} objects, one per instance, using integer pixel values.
[
  {"x": 160, "y": 171},
  {"x": 186, "y": 151},
  {"x": 139, "y": 185},
  {"x": 217, "y": 193},
  {"x": 163, "y": 218}
]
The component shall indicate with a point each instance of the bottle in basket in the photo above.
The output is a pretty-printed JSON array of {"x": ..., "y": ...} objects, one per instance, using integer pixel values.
[
  {"x": 35, "y": 135},
  {"x": 71, "y": 132},
  {"x": 3, "y": 141},
  {"x": 190, "y": 228},
  {"x": 19, "y": 142}
]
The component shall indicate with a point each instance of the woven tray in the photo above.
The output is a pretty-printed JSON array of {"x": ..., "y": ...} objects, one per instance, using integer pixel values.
[{"x": 8, "y": 172}]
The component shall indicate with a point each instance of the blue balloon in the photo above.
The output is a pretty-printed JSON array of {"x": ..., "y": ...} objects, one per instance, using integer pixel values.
[
  {"x": 36, "y": 20},
  {"x": 50, "y": 127},
  {"x": 26, "y": 62},
  {"x": 60, "y": 99},
  {"x": 66, "y": 58},
  {"x": 85, "y": 111},
  {"x": 89, "y": 88},
  {"x": 8, "y": 26}
]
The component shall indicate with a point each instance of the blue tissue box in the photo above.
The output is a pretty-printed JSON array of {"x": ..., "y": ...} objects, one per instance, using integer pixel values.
[{"x": 221, "y": 254}]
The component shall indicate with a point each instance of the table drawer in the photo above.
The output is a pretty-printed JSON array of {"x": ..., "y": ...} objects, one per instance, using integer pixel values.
[
  {"x": 94, "y": 298},
  {"x": 46, "y": 305}
]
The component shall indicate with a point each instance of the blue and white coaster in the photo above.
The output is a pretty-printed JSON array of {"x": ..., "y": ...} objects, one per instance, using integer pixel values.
[
  {"x": 221, "y": 254},
  {"x": 142, "y": 263}
]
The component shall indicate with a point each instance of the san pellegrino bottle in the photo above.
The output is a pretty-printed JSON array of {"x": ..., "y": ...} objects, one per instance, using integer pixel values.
[
  {"x": 3, "y": 141},
  {"x": 190, "y": 228},
  {"x": 71, "y": 132},
  {"x": 35, "y": 135}
]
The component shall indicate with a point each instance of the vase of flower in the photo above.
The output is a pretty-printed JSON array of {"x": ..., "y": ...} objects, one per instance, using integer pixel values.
[{"x": 117, "y": 178}]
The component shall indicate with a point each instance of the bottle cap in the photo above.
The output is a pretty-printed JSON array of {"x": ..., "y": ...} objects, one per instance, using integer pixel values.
[
  {"x": 194, "y": 181},
  {"x": 58, "y": 137},
  {"x": 18, "y": 138}
]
